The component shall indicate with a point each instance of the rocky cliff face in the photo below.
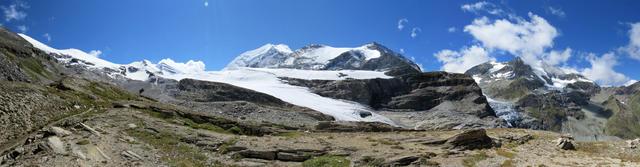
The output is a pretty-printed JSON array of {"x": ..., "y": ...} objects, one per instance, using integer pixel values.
[{"x": 432, "y": 100}]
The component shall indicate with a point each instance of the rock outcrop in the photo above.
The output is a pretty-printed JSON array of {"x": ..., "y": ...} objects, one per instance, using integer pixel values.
[
  {"x": 470, "y": 140},
  {"x": 422, "y": 101}
]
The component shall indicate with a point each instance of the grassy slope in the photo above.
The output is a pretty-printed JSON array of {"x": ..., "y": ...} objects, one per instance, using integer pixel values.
[{"x": 625, "y": 122}]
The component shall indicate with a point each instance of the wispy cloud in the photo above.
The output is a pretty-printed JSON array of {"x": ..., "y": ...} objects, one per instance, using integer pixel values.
[
  {"x": 95, "y": 53},
  {"x": 401, "y": 23},
  {"x": 206, "y": 3},
  {"x": 482, "y": 6},
  {"x": 22, "y": 28},
  {"x": 415, "y": 31},
  {"x": 557, "y": 11},
  {"x": 451, "y": 29},
  {"x": 47, "y": 36},
  {"x": 15, "y": 11},
  {"x": 474, "y": 7}
]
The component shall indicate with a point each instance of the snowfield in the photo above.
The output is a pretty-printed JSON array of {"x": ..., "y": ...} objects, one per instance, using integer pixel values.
[{"x": 266, "y": 81}]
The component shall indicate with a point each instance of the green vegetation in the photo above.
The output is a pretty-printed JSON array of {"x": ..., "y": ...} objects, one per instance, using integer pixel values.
[
  {"x": 208, "y": 126},
  {"x": 173, "y": 151},
  {"x": 625, "y": 121},
  {"x": 592, "y": 147},
  {"x": 505, "y": 153},
  {"x": 327, "y": 161},
  {"x": 83, "y": 142},
  {"x": 551, "y": 117},
  {"x": 507, "y": 163},
  {"x": 516, "y": 89},
  {"x": 471, "y": 161},
  {"x": 290, "y": 134}
]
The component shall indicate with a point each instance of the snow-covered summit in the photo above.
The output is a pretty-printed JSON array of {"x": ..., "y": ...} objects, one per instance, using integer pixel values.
[
  {"x": 549, "y": 76},
  {"x": 141, "y": 70},
  {"x": 372, "y": 56},
  {"x": 265, "y": 56}
]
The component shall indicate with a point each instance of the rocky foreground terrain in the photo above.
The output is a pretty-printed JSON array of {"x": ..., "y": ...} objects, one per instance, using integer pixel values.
[{"x": 55, "y": 113}]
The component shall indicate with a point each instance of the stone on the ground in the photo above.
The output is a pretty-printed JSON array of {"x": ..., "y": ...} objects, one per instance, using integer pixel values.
[
  {"x": 565, "y": 142},
  {"x": 469, "y": 140},
  {"x": 402, "y": 161},
  {"x": 132, "y": 126},
  {"x": 88, "y": 128},
  {"x": 633, "y": 144},
  {"x": 58, "y": 131},
  {"x": 259, "y": 154},
  {"x": 130, "y": 155},
  {"x": 56, "y": 145},
  {"x": 297, "y": 157}
]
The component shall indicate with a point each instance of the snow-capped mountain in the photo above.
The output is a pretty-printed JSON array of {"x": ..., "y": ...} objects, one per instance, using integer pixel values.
[
  {"x": 265, "y": 80},
  {"x": 540, "y": 76},
  {"x": 507, "y": 84},
  {"x": 372, "y": 56}
]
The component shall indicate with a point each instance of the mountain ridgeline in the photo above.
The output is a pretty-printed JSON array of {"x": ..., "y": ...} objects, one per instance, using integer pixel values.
[
  {"x": 372, "y": 56},
  {"x": 314, "y": 106}
]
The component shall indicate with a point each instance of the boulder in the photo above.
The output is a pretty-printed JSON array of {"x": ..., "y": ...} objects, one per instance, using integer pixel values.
[
  {"x": 633, "y": 144},
  {"x": 297, "y": 157},
  {"x": 59, "y": 131},
  {"x": 565, "y": 142},
  {"x": 259, "y": 154},
  {"x": 54, "y": 144},
  {"x": 470, "y": 140},
  {"x": 130, "y": 155},
  {"x": 402, "y": 161},
  {"x": 132, "y": 126}
]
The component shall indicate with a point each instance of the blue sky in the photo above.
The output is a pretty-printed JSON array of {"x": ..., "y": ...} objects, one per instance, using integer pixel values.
[{"x": 446, "y": 38}]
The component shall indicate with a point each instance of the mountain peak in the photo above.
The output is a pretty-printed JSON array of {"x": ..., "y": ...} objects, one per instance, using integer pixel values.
[{"x": 372, "y": 56}]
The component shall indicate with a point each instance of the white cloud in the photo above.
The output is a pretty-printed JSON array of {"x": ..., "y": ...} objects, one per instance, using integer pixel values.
[
  {"x": 189, "y": 67},
  {"x": 14, "y": 11},
  {"x": 601, "y": 70},
  {"x": 401, "y": 23},
  {"x": 557, "y": 57},
  {"x": 556, "y": 11},
  {"x": 474, "y": 7},
  {"x": 206, "y": 4},
  {"x": 451, "y": 29},
  {"x": 401, "y": 50},
  {"x": 415, "y": 31},
  {"x": 47, "y": 36},
  {"x": 527, "y": 39},
  {"x": 482, "y": 6},
  {"x": 95, "y": 53},
  {"x": 22, "y": 28},
  {"x": 463, "y": 60},
  {"x": 633, "y": 49}
]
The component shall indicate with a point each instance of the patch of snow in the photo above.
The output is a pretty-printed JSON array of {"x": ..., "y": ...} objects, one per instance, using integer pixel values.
[
  {"x": 496, "y": 67},
  {"x": 477, "y": 78},
  {"x": 75, "y": 53},
  {"x": 267, "y": 81}
]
